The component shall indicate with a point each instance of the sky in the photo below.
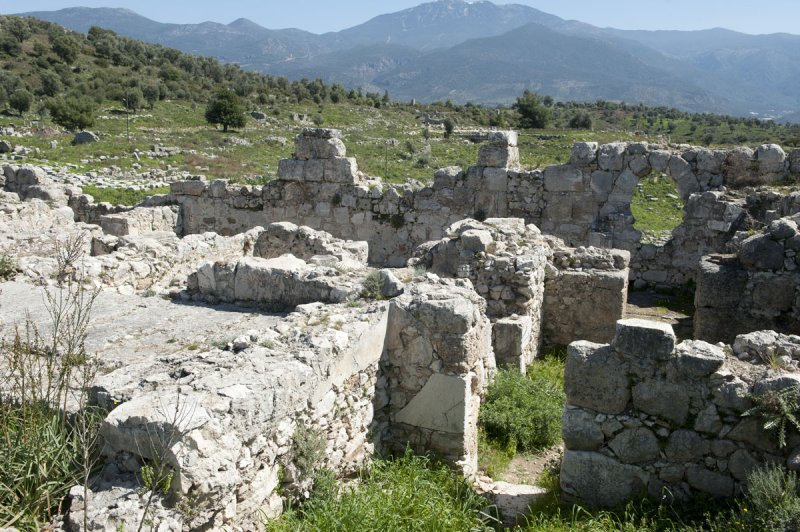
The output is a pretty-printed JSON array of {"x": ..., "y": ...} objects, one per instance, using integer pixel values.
[{"x": 319, "y": 16}]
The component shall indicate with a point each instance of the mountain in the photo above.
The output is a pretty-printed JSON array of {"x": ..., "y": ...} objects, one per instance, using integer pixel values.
[
  {"x": 487, "y": 53},
  {"x": 566, "y": 67},
  {"x": 441, "y": 24}
]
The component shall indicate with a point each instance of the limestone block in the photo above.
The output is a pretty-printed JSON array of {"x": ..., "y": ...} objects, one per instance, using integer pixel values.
[
  {"x": 321, "y": 133},
  {"x": 760, "y": 252},
  {"x": 711, "y": 161},
  {"x": 662, "y": 399},
  {"x": 580, "y": 431},
  {"x": 318, "y": 148},
  {"x": 502, "y": 138},
  {"x": 314, "y": 170},
  {"x": 495, "y": 179},
  {"x": 494, "y": 156},
  {"x": 341, "y": 170},
  {"x": 583, "y": 153},
  {"x": 602, "y": 183},
  {"x": 715, "y": 484},
  {"x": 440, "y": 405},
  {"x": 773, "y": 292},
  {"x": 194, "y": 187},
  {"x": 635, "y": 446},
  {"x": 659, "y": 160},
  {"x": 563, "y": 178},
  {"x": 599, "y": 480},
  {"x": 794, "y": 161},
  {"x": 708, "y": 421},
  {"x": 643, "y": 339},
  {"x": 686, "y": 446},
  {"x": 610, "y": 156},
  {"x": 291, "y": 169},
  {"x": 511, "y": 338},
  {"x": 85, "y": 137},
  {"x": 739, "y": 167},
  {"x": 741, "y": 464},
  {"x": 476, "y": 240},
  {"x": 594, "y": 378},
  {"x": 771, "y": 159},
  {"x": 696, "y": 359}
]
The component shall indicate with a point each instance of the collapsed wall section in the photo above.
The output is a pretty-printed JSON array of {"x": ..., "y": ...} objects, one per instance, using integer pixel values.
[{"x": 755, "y": 289}]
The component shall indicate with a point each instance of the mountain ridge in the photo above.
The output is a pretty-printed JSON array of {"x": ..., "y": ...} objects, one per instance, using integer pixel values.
[{"x": 737, "y": 73}]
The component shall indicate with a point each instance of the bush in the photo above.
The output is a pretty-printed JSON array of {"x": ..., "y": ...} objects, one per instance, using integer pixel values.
[
  {"x": 408, "y": 493},
  {"x": 8, "y": 267},
  {"x": 532, "y": 111},
  {"x": 525, "y": 411},
  {"x": 21, "y": 101},
  {"x": 773, "y": 500},
  {"x": 372, "y": 287},
  {"x": 72, "y": 113},
  {"x": 581, "y": 120}
]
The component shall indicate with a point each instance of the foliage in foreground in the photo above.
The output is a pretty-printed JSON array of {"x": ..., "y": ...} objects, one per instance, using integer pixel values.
[
  {"x": 523, "y": 412},
  {"x": 408, "y": 493},
  {"x": 43, "y": 450},
  {"x": 770, "y": 503}
]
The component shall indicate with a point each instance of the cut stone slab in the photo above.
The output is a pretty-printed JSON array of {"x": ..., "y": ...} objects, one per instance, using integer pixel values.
[
  {"x": 643, "y": 339},
  {"x": 440, "y": 405}
]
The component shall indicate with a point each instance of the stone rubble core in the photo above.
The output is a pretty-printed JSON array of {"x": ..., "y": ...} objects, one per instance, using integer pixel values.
[
  {"x": 535, "y": 286},
  {"x": 645, "y": 416},
  {"x": 754, "y": 289}
]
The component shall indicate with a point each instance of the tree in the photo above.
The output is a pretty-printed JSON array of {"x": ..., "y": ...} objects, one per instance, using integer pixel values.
[
  {"x": 21, "y": 101},
  {"x": 151, "y": 94},
  {"x": 132, "y": 98},
  {"x": 72, "y": 113},
  {"x": 533, "y": 113},
  {"x": 51, "y": 83},
  {"x": 66, "y": 48},
  {"x": 449, "y": 126},
  {"x": 581, "y": 120},
  {"x": 226, "y": 109}
]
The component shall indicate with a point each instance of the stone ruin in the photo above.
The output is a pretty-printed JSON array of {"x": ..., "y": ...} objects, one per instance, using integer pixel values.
[{"x": 264, "y": 330}]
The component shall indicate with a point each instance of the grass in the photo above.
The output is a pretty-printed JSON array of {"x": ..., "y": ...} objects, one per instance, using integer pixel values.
[
  {"x": 656, "y": 206},
  {"x": 522, "y": 412},
  {"x": 121, "y": 196},
  {"x": 409, "y": 493},
  {"x": 770, "y": 502}
]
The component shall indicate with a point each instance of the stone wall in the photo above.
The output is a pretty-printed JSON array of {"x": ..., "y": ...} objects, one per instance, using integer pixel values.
[
  {"x": 584, "y": 202},
  {"x": 647, "y": 417},
  {"x": 755, "y": 289}
]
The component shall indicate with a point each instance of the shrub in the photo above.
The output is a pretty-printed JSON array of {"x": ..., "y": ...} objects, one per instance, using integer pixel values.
[
  {"x": 72, "y": 113},
  {"x": 308, "y": 447},
  {"x": 408, "y": 493},
  {"x": 21, "y": 101},
  {"x": 532, "y": 111},
  {"x": 525, "y": 411},
  {"x": 8, "y": 267},
  {"x": 778, "y": 411},
  {"x": 773, "y": 501},
  {"x": 372, "y": 287}
]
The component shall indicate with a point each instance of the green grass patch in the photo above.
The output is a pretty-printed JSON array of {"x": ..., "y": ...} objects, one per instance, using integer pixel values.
[
  {"x": 409, "y": 493},
  {"x": 523, "y": 412},
  {"x": 121, "y": 196},
  {"x": 656, "y": 206}
]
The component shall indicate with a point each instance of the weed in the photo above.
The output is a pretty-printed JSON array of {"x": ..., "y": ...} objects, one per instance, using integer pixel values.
[
  {"x": 777, "y": 410},
  {"x": 308, "y": 446},
  {"x": 193, "y": 346},
  {"x": 8, "y": 267},
  {"x": 372, "y": 287}
]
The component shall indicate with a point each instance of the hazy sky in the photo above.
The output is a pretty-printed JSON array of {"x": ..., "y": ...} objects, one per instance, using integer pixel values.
[{"x": 319, "y": 16}]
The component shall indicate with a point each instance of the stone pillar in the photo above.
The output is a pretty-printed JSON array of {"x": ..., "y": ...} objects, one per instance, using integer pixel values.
[
  {"x": 438, "y": 355},
  {"x": 319, "y": 157}
]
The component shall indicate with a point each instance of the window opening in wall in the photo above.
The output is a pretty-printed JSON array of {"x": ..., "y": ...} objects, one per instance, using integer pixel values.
[{"x": 657, "y": 207}]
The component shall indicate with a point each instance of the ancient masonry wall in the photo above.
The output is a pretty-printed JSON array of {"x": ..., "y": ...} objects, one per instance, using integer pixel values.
[
  {"x": 585, "y": 202},
  {"x": 755, "y": 289},
  {"x": 647, "y": 417}
]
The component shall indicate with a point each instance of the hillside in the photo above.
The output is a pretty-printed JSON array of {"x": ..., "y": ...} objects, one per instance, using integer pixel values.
[{"x": 707, "y": 71}]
